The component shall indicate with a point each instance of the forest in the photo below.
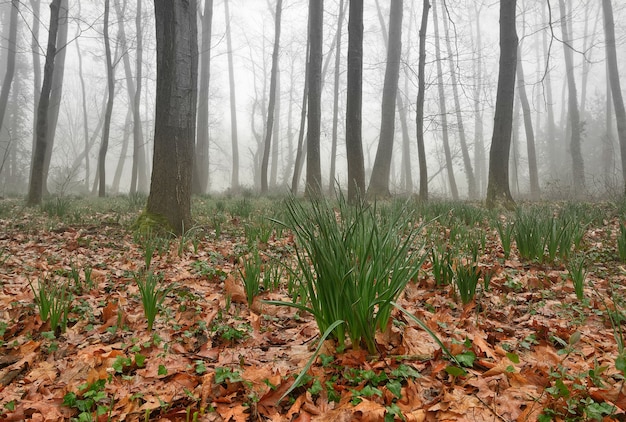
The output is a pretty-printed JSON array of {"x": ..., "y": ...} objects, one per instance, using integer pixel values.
[{"x": 312, "y": 210}]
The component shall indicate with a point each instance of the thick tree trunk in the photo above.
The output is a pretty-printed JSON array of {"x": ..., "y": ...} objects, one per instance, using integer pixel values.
[
  {"x": 10, "y": 70},
  {"x": 498, "y": 192},
  {"x": 443, "y": 111},
  {"x": 175, "y": 118},
  {"x": 354, "y": 103},
  {"x": 578, "y": 168},
  {"x": 272, "y": 100},
  {"x": 36, "y": 185},
  {"x": 313, "y": 166},
  {"x": 234, "y": 182},
  {"x": 419, "y": 114},
  {"x": 379, "y": 182},
  {"x": 530, "y": 133},
  {"x": 201, "y": 160},
  {"x": 616, "y": 89}
]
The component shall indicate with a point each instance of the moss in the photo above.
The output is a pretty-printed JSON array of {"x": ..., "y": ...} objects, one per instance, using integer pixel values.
[{"x": 151, "y": 223}]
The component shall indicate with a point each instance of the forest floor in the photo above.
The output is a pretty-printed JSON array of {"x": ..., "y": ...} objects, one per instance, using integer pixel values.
[{"x": 530, "y": 348}]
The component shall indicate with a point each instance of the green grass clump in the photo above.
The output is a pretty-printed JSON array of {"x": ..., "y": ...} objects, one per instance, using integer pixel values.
[
  {"x": 53, "y": 299},
  {"x": 354, "y": 264},
  {"x": 152, "y": 295}
]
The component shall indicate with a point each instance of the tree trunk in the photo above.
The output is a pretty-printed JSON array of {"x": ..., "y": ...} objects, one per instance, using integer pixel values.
[
  {"x": 313, "y": 166},
  {"x": 297, "y": 167},
  {"x": 83, "y": 92},
  {"x": 175, "y": 118},
  {"x": 479, "y": 145},
  {"x": 276, "y": 146},
  {"x": 56, "y": 92},
  {"x": 272, "y": 100},
  {"x": 551, "y": 127},
  {"x": 333, "y": 149},
  {"x": 443, "y": 110},
  {"x": 616, "y": 89},
  {"x": 498, "y": 192},
  {"x": 104, "y": 146},
  {"x": 354, "y": 103},
  {"x": 34, "y": 45},
  {"x": 578, "y": 169},
  {"x": 201, "y": 160},
  {"x": 10, "y": 70},
  {"x": 467, "y": 162},
  {"x": 139, "y": 172},
  {"x": 233, "y": 103},
  {"x": 379, "y": 181},
  {"x": 528, "y": 127},
  {"x": 419, "y": 114},
  {"x": 35, "y": 188},
  {"x": 117, "y": 176}
]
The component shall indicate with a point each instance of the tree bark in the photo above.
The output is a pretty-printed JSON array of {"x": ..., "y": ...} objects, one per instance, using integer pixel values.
[
  {"x": 36, "y": 185},
  {"x": 333, "y": 149},
  {"x": 272, "y": 100},
  {"x": 444, "y": 112},
  {"x": 379, "y": 181},
  {"x": 479, "y": 145},
  {"x": 139, "y": 172},
  {"x": 56, "y": 92},
  {"x": 201, "y": 160},
  {"x": 528, "y": 128},
  {"x": 234, "y": 182},
  {"x": 498, "y": 192},
  {"x": 419, "y": 113},
  {"x": 10, "y": 70},
  {"x": 616, "y": 89},
  {"x": 467, "y": 162},
  {"x": 354, "y": 103},
  {"x": 313, "y": 166},
  {"x": 578, "y": 168},
  {"x": 104, "y": 146},
  {"x": 34, "y": 45},
  {"x": 175, "y": 118}
]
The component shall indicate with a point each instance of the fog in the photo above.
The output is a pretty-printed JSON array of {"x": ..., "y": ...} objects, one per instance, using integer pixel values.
[{"x": 474, "y": 63}]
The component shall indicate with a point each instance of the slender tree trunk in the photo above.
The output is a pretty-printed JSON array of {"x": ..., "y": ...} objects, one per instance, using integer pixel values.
[
  {"x": 419, "y": 114},
  {"x": 56, "y": 93},
  {"x": 551, "y": 126},
  {"x": 104, "y": 146},
  {"x": 578, "y": 168},
  {"x": 608, "y": 150},
  {"x": 313, "y": 166},
  {"x": 498, "y": 192},
  {"x": 300, "y": 149},
  {"x": 467, "y": 161},
  {"x": 276, "y": 145},
  {"x": 479, "y": 145},
  {"x": 139, "y": 171},
  {"x": 35, "y": 189},
  {"x": 289, "y": 163},
  {"x": 10, "y": 70},
  {"x": 528, "y": 127},
  {"x": 85, "y": 114},
  {"x": 34, "y": 45},
  {"x": 379, "y": 182},
  {"x": 616, "y": 89},
  {"x": 514, "y": 159},
  {"x": 201, "y": 160},
  {"x": 175, "y": 118},
  {"x": 443, "y": 110},
  {"x": 272, "y": 101},
  {"x": 354, "y": 103},
  {"x": 233, "y": 103},
  {"x": 333, "y": 149},
  {"x": 117, "y": 176}
]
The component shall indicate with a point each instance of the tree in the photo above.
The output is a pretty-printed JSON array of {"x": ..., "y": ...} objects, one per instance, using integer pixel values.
[
  {"x": 175, "y": 118},
  {"x": 36, "y": 184},
  {"x": 333, "y": 152},
  {"x": 498, "y": 191},
  {"x": 443, "y": 110},
  {"x": 313, "y": 168},
  {"x": 616, "y": 89},
  {"x": 578, "y": 169},
  {"x": 109, "y": 109},
  {"x": 419, "y": 113},
  {"x": 10, "y": 70},
  {"x": 233, "y": 103},
  {"x": 354, "y": 102},
  {"x": 139, "y": 172},
  {"x": 201, "y": 159},
  {"x": 272, "y": 101},
  {"x": 379, "y": 182}
]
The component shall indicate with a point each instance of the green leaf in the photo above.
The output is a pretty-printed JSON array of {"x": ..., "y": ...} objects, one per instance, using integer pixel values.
[
  {"x": 395, "y": 387},
  {"x": 620, "y": 363},
  {"x": 466, "y": 359},
  {"x": 456, "y": 371},
  {"x": 315, "y": 388},
  {"x": 513, "y": 357},
  {"x": 405, "y": 371},
  {"x": 140, "y": 360},
  {"x": 162, "y": 370}
]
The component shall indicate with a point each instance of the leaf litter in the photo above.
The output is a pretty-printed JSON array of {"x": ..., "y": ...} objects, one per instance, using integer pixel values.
[{"x": 530, "y": 344}]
